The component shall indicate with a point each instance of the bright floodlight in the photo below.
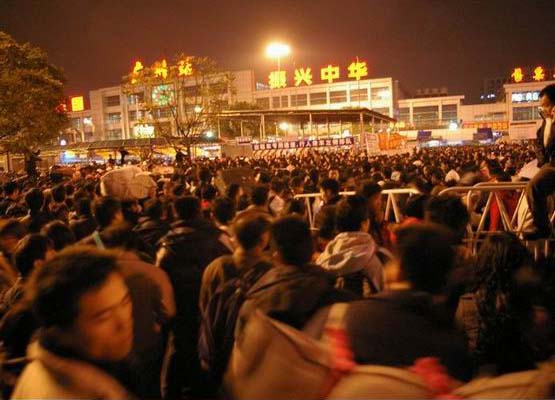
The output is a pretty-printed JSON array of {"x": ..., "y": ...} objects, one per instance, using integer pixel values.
[
  {"x": 453, "y": 126},
  {"x": 209, "y": 134},
  {"x": 63, "y": 142},
  {"x": 284, "y": 126},
  {"x": 198, "y": 109},
  {"x": 276, "y": 50}
]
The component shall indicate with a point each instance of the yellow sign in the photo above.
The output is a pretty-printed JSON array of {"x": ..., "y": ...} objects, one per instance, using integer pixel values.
[
  {"x": 77, "y": 103},
  {"x": 303, "y": 75},
  {"x": 517, "y": 75},
  {"x": 539, "y": 74},
  {"x": 277, "y": 79},
  {"x": 358, "y": 70},
  {"x": 161, "y": 69},
  {"x": 329, "y": 73},
  {"x": 136, "y": 70},
  {"x": 184, "y": 68}
]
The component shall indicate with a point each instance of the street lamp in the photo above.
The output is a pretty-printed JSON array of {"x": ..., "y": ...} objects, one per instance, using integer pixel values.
[
  {"x": 284, "y": 126},
  {"x": 277, "y": 50}
]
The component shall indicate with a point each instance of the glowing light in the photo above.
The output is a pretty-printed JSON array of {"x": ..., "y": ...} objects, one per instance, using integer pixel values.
[
  {"x": 346, "y": 133},
  {"x": 209, "y": 134},
  {"x": 63, "y": 142},
  {"x": 539, "y": 74},
  {"x": 87, "y": 121},
  {"x": 277, "y": 79},
  {"x": 144, "y": 131},
  {"x": 358, "y": 70},
  {"x": 136, "y": 70},
  {"x": 185, "y": 68},
  {"x": 284, "y": 126},
  {"x": 329, "y": 73},
  {"x": 161, "y": 69},
  {"x": 303, "y": 75},
  {"x": 277, "y": 50},
  {"x": 517, "y": 75},
  {"x": 77, "y": 103},
  {"x": 453, "y": 126},
  {"x": 198, "y": 109}
]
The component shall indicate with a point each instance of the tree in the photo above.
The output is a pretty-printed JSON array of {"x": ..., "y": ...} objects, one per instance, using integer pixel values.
[
  {"x": 31, "y": 97},
  {"x": 180, "y": 100}
]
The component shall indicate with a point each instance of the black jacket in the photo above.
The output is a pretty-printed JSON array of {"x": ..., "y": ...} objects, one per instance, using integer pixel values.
[
  {"x": 83, "y": 227},
  {"x": 151, "y": 231},
  {"x": 398, "y": 327},
  {"x": 544, "y": 154}
]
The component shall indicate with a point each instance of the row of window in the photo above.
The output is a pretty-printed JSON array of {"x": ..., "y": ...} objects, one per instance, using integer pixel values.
[
  {"x": 319, "y": 98},
  {"x": 426, "y": 114},
  {"x": 525, "y": 114}
]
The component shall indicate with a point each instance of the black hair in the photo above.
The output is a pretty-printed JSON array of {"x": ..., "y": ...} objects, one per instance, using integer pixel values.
[
  {"x": 415, "y": 206},
  {"x": 154, "y": 209},
  {"x": 59, "y": 193},
  {"x": 259, "y": 195},
  {"x": 30, "y": 249},
  {"x": 549, "y": 91},
  {"x": 209, "y": 192},
  {"x": 369, "y": 189},
  {"x": 187, "y": 207},
  {"x": 105, "y": 209},
  {"x": 10, "y": 188},
  {"x": 249, "y": 231},
  {"x": 426, "y": 256},
  {"x": 292, "y": 240},
  {"x": 55, "y": 289},
  {"x": 59, "y": 233},
  {"x": 83, "y": 206},
  {"x": 350, "y": 213},
  {"x": 449, "y": 211},
  {"x": 34, "y": 200},
  {"x": 295, "y": 206},
  {"x": 223, "y": 210},
  {"x": 330, "y": 184},
  {"x": 12, "y": 228}
]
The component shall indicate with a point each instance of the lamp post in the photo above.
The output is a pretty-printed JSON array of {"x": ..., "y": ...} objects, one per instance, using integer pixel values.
[{"x": 277, "y": 50}]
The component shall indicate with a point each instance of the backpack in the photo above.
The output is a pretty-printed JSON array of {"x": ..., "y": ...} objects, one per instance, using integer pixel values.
[{"x": 217, "y": 328}]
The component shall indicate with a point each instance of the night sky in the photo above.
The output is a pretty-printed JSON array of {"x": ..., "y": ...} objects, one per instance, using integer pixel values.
[{"x": 422, "y": 43}]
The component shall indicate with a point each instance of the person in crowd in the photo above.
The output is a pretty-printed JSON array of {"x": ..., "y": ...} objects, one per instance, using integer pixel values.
[
  {"x": 293, "y": 289},
  {"x": 59, "y": 233},
  {"x": 295, "y": 207},
  {"x": 153, "y": 225},
  {"x": 378, "y": 228},
  {"x": 276, "y": 200},
  {"x": 187, "y": 249},
  {"x": 259, "y": 200},
  {"x": 11, "y": 197},
  {"x": 496, "y": 315},
  {"x": 223, "y": 213},
  {"x": 353, "y": 254},
  {"x": 84, "y": 224},
  {"x": 543, "y": 183},
  {"x": 235, "y": 192},
  {"x": 36, "y": 218},
  {"x": 11, "y": 232},
  {"x": 83, "y": 308},
  {"x": 252, "y": 236},
  {"x": 107, "y": 212},
  {"x": 58, "y": 208},
  {"x": 324, "y": 213},
  {"x": 377, "y": 326}
]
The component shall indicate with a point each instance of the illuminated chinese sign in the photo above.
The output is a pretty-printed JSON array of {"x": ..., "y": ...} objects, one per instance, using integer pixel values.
[
  {"x": 517, "y": 75},
  {"x": 304, "y": 144},
  {"x": 143, "y": 131},
  {"x": 525, "y": 97},
  {"x": 161, "y": 69},
  {"x": 536, "y": 74},
  {"x": 330, "y": 73},
  {"x": 77, "y": 103},
  {"x": 539, "y": 74},
  {"x": 494, "y": 125}
]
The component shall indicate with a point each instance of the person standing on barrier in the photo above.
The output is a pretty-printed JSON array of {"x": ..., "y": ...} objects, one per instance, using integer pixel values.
[{"x": 543, "y": 183}]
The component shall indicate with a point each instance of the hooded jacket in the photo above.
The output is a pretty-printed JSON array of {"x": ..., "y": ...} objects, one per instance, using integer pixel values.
[{"x": 350, "y": 253}]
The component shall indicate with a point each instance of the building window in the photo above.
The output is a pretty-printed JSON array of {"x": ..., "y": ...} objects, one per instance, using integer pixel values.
[
  {"x": 318, "y": 98},
  {"x": 524, "y": 113},
  {"x": 275, "y": 102},
  {"x": 111, "y": 101},
  {"x": 113, "y": 134},
  {"x": 404, "y": 114},
  {"x": 425, "y": 116},
  {"x": 380, "y": 93},
  {"x": 191, "y": 91},
  {"x": 383, "y": 111},
  {"x": 339, "y": 96},
  {"x": 113, "y": 118},
  {"x": 284, "y": 101},
  {"x": 133, "y": 115},
  {"x": 76, "y": 123},
  {"x": 263, "y": 102},
  {"x": 299, "y": 100},
  {"x": 136, "y": 98},
  {"x": 359, "y": 95},
  {"x": 161, "y": 113},
  {"x": 449, "y": 113}
]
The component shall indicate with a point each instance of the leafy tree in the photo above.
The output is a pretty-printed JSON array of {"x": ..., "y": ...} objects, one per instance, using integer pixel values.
[
  {"x": 180, "y": 99},
  {"x": 31, "y": 97}
]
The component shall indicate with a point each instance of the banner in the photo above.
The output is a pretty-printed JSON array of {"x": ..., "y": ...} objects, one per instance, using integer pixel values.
[{"x": 304, "y": 144}]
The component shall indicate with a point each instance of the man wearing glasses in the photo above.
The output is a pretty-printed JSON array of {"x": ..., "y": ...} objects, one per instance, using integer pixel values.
[{"x": 543, "y": 183}]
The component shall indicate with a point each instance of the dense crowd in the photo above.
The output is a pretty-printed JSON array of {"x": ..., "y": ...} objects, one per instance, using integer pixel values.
[{"x": 183, "y": 287}]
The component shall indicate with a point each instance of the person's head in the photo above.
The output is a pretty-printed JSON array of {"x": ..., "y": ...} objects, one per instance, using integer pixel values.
[
  {"x": 31, "y": 253},
  {"x": 209, "y": 192},
  {"x": 154, "y": 209},
  {"x": 107, "y": 211},
  {"x": 297, "y": 185},
  {"x": 291, "y": 240},
  {"x": 425, "y": 256},
  {"x": 295, "y": 207},
  {"x": 11, "y": 232},
  {"x": 187, "y": 208},
  {"x": 80, "y": 298},
  {"x": 234, "y": 191},
  {"x": 59, "y": 233},
  {"x": 415, "y": 206},
  {"x": 59, "y": 193},
  {"x": 259, "y": 195},
  {"x": 372, "y": 192},
  {"x": 333, "y": 174},
  {"x": 448, "y": 211},
  {"x": 11, "y": 190},
  {"x": 547, "y": 101},
  {"x": 223, "y": 210},
  {"x": 277, "y": 186},
  {"x": 34, "y": 200},
  {"x": 329, "y": 188},
  {"x": 351, "y": 214},
  {"x": 83, "y": 207},
  {"x": 252, "y": 232}
]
